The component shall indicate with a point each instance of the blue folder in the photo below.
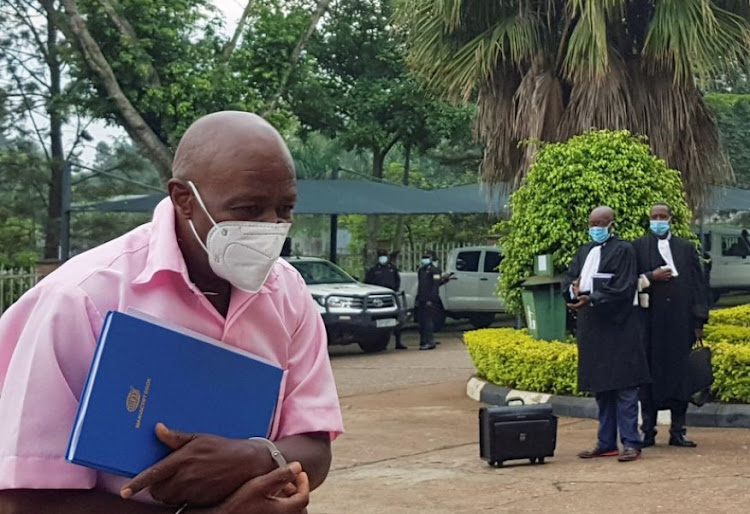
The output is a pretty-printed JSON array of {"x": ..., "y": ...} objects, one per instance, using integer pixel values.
[{"x": 144, "y": 372}]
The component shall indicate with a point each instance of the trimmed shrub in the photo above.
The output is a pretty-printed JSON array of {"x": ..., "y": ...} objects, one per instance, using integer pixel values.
[
  {"x": 512, "y": 358},
  {"x": 738, "y": 316},
  {"x": 731, "y": 334},
  {"x": 551, "y": 208},
  {"x": 731, "y": 363}
]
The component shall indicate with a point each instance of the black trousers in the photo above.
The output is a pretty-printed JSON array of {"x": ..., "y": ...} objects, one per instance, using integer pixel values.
[
  {"x": 426, "y": 320},
  {"x": 649, "y": 411}
]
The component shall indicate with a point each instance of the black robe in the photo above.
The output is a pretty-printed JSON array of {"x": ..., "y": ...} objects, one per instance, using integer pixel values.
[
  {"x": 611, "y": 354},
  {"x": 676, "y": 309}
]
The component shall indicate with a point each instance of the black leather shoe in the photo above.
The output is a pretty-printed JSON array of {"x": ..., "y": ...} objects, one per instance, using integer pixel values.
[
  {"x": 629, "y": 455},
  {"x": 401, "y": 346},
  {"x": 681, "y": 441},
  {"x": 427, "y": 346}
]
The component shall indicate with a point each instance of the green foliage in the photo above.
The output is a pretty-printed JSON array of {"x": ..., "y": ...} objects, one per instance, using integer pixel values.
[
  {"x": 551, "y": 209},
  {"x": 731, "y": 334},
  {"x": 513, "y": 358},
  {"x": 732, "y": 113},
  {"x": 731, "y": 364},
  {"x": 176, "y": 71},
  {"x": 738, "y": 316}
]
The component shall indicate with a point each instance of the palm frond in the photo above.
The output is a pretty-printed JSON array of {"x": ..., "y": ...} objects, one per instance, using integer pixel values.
[
  {"x": 589, "y": 49},
  {"x": 458, "y": 67},
  {"x": 695, "y": 38}
]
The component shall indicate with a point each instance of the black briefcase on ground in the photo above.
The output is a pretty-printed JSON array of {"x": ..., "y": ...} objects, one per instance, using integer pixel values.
[{"x": 514, "y": 432}]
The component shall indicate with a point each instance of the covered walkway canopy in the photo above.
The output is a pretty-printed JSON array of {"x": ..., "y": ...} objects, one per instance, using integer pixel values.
[{"x": 334, "y": 197}]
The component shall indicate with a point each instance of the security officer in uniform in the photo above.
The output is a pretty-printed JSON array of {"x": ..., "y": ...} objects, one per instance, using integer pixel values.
[
  {"x": 429, "y": 280},
  {"x": 385, "y": 274}
]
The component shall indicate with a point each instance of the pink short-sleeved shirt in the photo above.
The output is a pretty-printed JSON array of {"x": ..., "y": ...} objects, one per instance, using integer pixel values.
[{"x": 47, "y": 341}]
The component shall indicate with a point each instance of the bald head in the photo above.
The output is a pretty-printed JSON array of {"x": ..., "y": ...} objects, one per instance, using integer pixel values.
[
  {"x": 601, "y": 217},
  {"x": 240, "y": 170},
  {"x": 224, "y": 142}
]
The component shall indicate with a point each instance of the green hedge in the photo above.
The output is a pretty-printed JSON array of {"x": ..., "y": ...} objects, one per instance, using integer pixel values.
[
  {"x": 737, "y": 316},
  {"x": 512, "y": 358}
]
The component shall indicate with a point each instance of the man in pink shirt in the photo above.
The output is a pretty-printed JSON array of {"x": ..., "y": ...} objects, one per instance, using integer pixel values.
[{"x": 208, "y": 262}]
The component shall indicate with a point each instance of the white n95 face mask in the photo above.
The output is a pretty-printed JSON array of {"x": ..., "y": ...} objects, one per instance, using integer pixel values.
[{"x": 242, "y": 252}]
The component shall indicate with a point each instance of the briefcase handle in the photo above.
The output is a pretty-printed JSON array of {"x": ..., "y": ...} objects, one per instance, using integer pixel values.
[{"x": 515, "y": 399}]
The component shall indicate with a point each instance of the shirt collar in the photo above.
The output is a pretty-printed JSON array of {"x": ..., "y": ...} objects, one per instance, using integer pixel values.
[{"x": 164, "y": 254}]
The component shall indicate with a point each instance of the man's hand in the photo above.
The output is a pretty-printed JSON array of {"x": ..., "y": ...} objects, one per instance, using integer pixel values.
[
  {"x": 662, "y": 274},
  {"x": 282, "y": 491},
  {"x": 580, "y": 304},
  {"x": 201, "y": 470},
  {"x": 699, "y": 334}
]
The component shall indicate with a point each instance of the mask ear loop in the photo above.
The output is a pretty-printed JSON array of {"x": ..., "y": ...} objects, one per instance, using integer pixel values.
[{"x": 203, "y": 206}]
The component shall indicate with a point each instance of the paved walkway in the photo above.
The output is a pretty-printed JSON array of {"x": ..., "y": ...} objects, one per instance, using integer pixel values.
[{"x": 411, "y": 447}]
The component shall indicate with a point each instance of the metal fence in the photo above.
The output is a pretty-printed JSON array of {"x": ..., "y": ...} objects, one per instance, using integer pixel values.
[{"x": 14, "y": 282}]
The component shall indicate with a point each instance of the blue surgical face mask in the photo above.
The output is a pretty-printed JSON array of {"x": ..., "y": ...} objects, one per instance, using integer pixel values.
[
  {"x": 426, "y": 261},
  {"x": 599, "y": 234},
  {"x": 659, "y": 227},
  {"x": 383, "y": 259}
]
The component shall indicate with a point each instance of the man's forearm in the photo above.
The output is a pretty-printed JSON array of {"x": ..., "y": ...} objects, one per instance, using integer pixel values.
[
  {"x": 67, "y": 501},
  {"x": 313, "y": 451}
]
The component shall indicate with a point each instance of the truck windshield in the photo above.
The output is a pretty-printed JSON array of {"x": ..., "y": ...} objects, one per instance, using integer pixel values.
[{"x": 322, "y": 272}]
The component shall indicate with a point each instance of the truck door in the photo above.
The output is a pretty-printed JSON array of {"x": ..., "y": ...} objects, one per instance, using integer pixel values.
[
  {"x": 488, "y": 276},
  {"x": 731, "y": 262},
  {"x": 460, "y": 293}
]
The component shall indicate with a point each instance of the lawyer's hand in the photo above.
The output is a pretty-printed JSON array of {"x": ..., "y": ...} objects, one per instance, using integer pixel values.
[
  {"x": 662, "y": 274},
  {"x": 201, "y": 470},
  {"x": 580, "y": 304},
  {"x": 282, "y": 491}
]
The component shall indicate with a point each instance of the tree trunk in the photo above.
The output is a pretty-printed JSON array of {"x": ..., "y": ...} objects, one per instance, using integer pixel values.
[
  {"x": 134, "y": 124},
  {"x": 232, "y": 44},
  {"x": 320, "y": 10},
  {"x": 57, "y": 154},
  {"x": 373, "y": 221},
  {"x": 398, "y": 241}
]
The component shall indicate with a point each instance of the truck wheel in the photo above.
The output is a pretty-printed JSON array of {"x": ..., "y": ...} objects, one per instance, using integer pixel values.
[
  {"x": 376, "y": 342},
  {"x": 482, "y": 319}
]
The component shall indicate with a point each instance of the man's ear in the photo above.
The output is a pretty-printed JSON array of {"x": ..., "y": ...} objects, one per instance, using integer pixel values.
[{"x": 181, "y": 196}]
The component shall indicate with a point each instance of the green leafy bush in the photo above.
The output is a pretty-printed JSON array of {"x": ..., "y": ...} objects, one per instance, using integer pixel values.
[
  {"x": 738, "y": 316},
  {"x": 515, "y": 359},
  {"x": 512, "y": 358},
  {"x": 568, "y": 180},
  {"x": 732, "y": 334},
  {"x": 733, "y": 119}
]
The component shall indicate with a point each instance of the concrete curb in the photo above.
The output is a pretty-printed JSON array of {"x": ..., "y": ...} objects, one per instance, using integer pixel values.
[{"x": 724, "y": 415}]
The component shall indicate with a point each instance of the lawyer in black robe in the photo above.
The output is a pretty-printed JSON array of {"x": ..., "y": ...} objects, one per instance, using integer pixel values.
[
  {"x": 610, "y": 351},
  {"x": 677, "y": 308}
]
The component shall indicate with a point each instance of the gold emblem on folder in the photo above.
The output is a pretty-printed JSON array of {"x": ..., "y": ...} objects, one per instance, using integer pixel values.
[{"x": 134, "y": 399}]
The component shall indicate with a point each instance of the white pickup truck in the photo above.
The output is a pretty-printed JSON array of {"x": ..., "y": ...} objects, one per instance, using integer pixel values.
[
  {"x": 729, "y": 248},
  {"x": 472, "y": 291},
  {"x": 353, "y": 312}
]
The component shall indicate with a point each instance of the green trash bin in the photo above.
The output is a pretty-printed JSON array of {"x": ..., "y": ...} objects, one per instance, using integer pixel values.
[{"x": 544, "y": 307}]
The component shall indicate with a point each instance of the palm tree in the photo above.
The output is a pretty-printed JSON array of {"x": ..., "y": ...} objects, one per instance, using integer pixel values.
[{"x": 544, "y": 70}]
